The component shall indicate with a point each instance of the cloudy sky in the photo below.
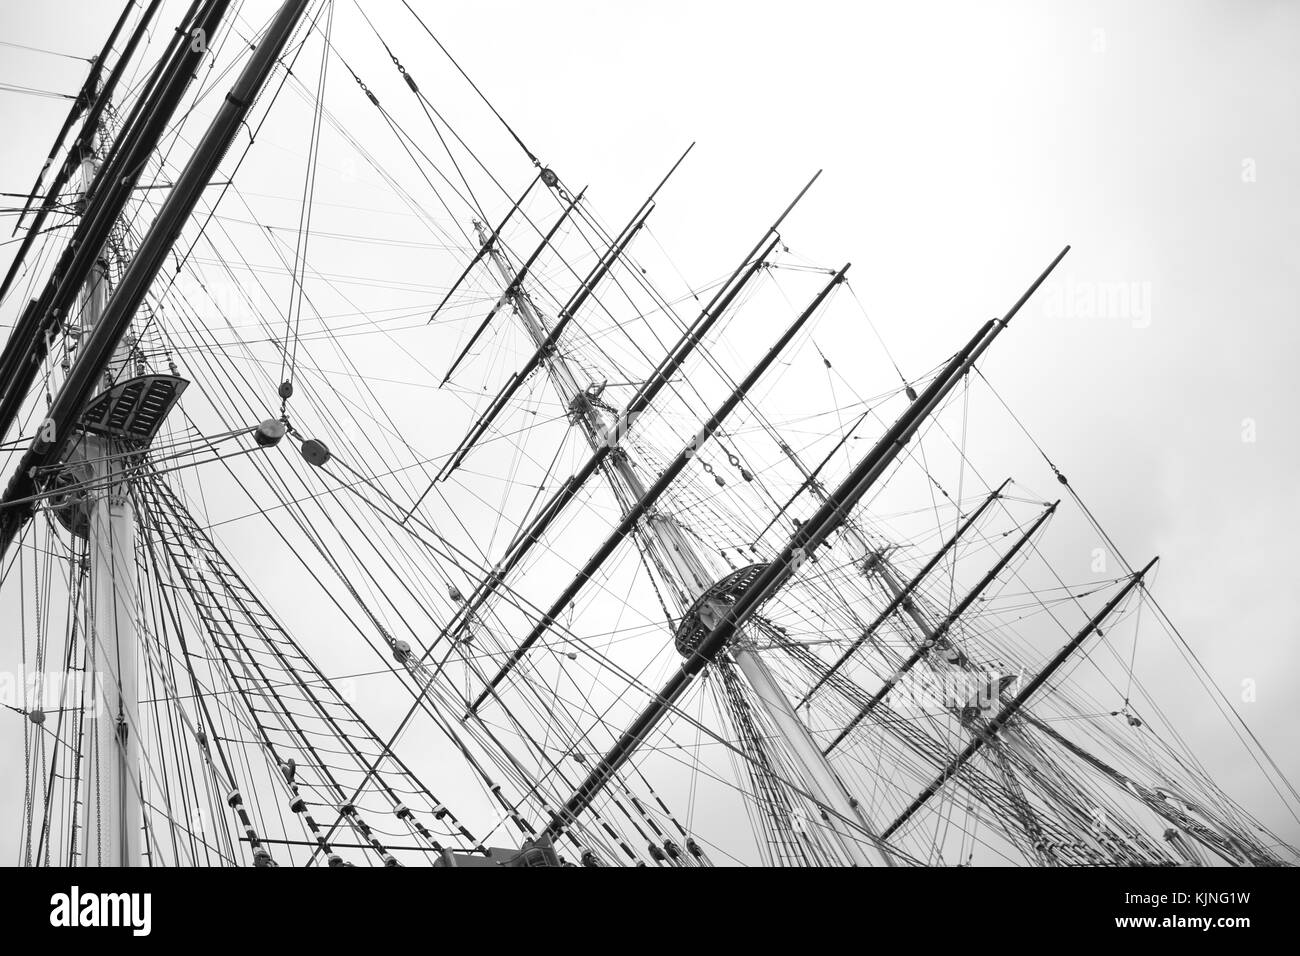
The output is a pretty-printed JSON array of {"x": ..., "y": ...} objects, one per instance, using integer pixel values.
[{"x": 962, "y": 145}]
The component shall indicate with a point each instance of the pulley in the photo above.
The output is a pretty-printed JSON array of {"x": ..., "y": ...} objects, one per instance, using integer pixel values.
[
  {"x": 315, "y": 452},
  {"x": 269, "y": 433}
]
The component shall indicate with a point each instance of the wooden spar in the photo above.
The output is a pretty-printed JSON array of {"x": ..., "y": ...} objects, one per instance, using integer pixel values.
[
  {"x": 714, "y": 641},
  {"x": 1208, "y": 838},
  {"x": 570, "y": 488},
  {"x": 123, "y": 153},
  {"x": 638, "y": 510},
  {"x": 478, "y": 256},
  {"x": 691, "y": 336},
  {"x": 717, "y": 307},
  {"x": 99, "y": 345},
  {"x": 515, "y": 283},
  {"x": 811, "y": 534},
  {"x": 645, "y": 395},
  {"x": 28, "y": 345},
  {"x": 617, "y": 246},
  {"x": 811, "y": 477},
  {"x": 877, "y": 563},
  {"x": 962, "y": 606},
  {"x": 906, "y": 592},
  {"x": 90, "y": 99},
  {"x": 566, "y": 315},
  {"x": 1017, "y": 702}
]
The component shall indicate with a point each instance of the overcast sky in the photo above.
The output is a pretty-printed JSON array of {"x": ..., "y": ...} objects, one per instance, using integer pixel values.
[{"x": 963, "y": 145}]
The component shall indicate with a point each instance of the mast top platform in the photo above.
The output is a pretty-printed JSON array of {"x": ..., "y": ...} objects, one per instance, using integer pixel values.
[{"x": 712, "y": 606}]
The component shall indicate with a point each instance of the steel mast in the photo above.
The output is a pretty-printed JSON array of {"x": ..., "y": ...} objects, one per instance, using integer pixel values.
[
  {"x": 73, "y": 441},
  {"x": 110, "y": 761},
  {"x": 714, "y": 633},
  {"x": 677, "y": 559},
  {"x": 670, "y": 549}
]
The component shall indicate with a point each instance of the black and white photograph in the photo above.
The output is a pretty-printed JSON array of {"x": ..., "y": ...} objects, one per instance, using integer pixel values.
[{"x": 716, "y": 434}]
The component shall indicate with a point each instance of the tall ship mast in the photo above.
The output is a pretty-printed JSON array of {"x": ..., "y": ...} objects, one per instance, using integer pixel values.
[{"x": 369, "y": 499}]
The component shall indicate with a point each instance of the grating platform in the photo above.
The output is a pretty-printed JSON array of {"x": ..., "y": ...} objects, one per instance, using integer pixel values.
[
  {"x": 133, "y": 410},
  {"x": 708, "y": 611},
  {"x": 130, "y": 412}
]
